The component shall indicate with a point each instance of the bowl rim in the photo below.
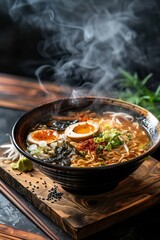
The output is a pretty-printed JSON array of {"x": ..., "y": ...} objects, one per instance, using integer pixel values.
[{"x": 115, "y": 165}]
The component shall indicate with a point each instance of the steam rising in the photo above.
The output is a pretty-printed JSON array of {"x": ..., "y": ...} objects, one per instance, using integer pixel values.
[{"x": 85, "y": 42}]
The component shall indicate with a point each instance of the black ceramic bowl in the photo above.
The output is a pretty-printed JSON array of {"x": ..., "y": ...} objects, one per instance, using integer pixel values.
[{"x": 86, "y": 180}]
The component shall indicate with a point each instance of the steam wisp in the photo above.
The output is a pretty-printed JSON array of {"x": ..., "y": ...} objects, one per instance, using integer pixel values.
[{"x": 85, "y": 43}]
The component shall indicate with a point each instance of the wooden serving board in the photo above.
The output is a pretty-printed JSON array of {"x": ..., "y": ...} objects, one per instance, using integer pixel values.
[{"x": 81, "y": 216}]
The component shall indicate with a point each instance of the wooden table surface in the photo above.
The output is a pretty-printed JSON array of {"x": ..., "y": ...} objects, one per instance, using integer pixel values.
[
  {"x": 22, "y": 94},
  {"x": 9, "y": 233}
]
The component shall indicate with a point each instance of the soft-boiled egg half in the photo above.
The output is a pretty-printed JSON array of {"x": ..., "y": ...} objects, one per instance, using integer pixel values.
[
  {"x": 82, "y": 130},
  {"x": 47, "y": 135}
]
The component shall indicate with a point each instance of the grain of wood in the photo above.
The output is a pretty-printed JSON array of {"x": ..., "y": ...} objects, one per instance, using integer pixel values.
[
  {"x": 79, "y": 215},
  {"x": 9, "y": 233},
  {"x": 18, "y": 93}
]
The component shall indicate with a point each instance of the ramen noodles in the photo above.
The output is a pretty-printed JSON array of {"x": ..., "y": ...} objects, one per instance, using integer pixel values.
[{"x": 88, "y": 139}]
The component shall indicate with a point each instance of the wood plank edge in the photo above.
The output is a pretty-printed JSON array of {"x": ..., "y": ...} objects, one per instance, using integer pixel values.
[
  {"x": 24, "y": 208},
  {"x": 12, "y": 233},
  {"x": 80, "y": 233},
  {"x": 120, "y": 216},
  {"x": 9, "y": 180}
]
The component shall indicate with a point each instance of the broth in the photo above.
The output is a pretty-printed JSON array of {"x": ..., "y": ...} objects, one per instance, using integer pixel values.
[{"x": 90, "y": 140}]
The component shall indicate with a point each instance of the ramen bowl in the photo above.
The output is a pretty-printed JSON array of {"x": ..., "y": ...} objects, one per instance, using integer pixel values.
[{"x": 87, "y": 180}]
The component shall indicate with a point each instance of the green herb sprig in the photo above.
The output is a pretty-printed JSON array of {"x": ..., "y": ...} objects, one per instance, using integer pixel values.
[{"x": 135, "y": 90}]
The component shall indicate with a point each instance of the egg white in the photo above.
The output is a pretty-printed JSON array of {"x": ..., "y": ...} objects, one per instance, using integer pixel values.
[{"x": 69, "y": 132}]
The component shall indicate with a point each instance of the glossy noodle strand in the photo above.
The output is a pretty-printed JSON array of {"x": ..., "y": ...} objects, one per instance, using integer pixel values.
[{"x": 110, "y": 138}]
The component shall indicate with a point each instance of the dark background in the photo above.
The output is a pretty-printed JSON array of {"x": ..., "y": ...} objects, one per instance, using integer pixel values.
[{"x": 24, "y": 29}]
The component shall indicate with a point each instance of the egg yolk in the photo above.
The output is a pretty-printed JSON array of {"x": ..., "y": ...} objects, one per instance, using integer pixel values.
[
  {"x": 46, "y": 135},
  {"x": 83, "y": 129}
]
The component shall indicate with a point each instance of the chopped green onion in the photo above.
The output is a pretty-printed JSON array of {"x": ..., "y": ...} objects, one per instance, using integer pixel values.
[{"x": 108, "y": 140}]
